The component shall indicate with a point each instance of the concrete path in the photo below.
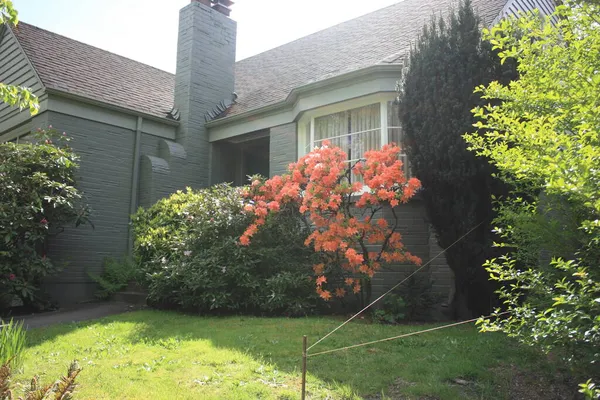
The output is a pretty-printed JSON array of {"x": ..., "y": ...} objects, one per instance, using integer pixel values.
[{"x": 79, "y": 312}]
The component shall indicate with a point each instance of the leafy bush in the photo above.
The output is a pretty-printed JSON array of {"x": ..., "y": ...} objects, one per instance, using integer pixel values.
[
  {"x": 62, "y": 389},
  {"x": 419, "y": 297},
  {"x": 392, "y": 311},
  {"x": 320, "y": 188},
  {"x": 412, "y": 301},
  {"x": 186, "y": 247},
  {"x": 544, "y": 139},
  {"x": 38, "y": 199},
  {"x": 13, "y": 339},
  {"x": 115, "y": 276}
]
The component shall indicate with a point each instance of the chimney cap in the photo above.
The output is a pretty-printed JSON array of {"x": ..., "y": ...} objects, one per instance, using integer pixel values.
[{"x": 222, "y": 6}]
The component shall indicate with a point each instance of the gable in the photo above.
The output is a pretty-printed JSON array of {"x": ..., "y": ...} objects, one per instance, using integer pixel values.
[{"x": 15, "y": 69}]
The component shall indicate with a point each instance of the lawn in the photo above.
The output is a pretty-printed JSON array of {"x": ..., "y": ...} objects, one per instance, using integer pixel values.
[{"x": 160, "y": 355}]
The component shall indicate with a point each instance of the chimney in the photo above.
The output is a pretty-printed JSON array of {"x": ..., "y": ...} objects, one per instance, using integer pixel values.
[{"x": 204, "y": 76}]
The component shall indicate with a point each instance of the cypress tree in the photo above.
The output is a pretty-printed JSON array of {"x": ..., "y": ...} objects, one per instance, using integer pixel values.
[{"x": 436, "y": 98}]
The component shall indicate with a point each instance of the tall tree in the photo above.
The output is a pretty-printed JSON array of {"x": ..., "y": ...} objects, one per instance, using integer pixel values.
[
  {"x": 11, "y": 94},
  {"x": 436, "y": 98}
]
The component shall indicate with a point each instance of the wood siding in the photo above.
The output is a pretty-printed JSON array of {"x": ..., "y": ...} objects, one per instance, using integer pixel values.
[{"x": 15, "y": 69}]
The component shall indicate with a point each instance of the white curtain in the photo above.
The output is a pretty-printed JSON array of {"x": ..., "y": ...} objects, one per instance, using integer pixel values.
[
  {"x": 395, "y": 134},
  {"x": 354, "y": 131},
  {"x": 333, "y": 127}
]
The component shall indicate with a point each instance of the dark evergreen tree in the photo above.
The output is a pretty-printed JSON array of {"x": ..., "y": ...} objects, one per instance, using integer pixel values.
[{"x": 436, "y": 98}]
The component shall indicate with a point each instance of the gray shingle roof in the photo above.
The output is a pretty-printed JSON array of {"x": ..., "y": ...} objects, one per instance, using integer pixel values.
[
  {"x": 77, "y": 68},
  {"x": 380, "y": 37}
]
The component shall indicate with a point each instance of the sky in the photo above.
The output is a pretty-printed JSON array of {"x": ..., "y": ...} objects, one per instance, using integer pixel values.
[{"x": 146, "y": 30}]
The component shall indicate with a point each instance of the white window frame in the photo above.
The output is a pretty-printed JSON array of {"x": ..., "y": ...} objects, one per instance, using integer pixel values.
[{"x": 306, "y": 124}]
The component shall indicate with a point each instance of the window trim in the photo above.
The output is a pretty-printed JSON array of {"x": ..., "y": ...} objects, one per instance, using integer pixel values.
[{"x": 306, "y": 124}]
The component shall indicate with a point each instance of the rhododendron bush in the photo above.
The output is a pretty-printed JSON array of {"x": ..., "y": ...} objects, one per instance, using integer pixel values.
[
  {"x": 343, "y": 203},
  {"x": 38, "y": 200}
]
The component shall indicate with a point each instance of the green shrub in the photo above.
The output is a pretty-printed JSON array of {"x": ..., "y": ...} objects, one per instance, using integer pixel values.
[
  {"x": 392, "y": 311},
  {"x": 13, "y": 339},
  {"x": 38, "y": 199},
  {"x": 187, "y": 250},
  {"x": 419, "y": 297},
  {"x": 115, "y": 276},
  {"x": 414, "y": 300}
]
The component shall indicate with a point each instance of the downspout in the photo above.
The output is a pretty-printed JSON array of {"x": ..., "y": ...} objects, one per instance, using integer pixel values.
[{"x": 133, "y": 202}]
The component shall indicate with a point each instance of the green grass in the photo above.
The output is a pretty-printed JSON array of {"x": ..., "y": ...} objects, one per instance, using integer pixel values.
[{"x": 159, "y": 355}]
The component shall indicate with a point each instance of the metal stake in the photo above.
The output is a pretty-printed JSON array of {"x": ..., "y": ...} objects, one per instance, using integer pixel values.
[{"x": 304, "y": 341}]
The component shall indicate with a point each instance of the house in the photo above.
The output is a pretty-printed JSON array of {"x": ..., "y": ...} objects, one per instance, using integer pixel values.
[{"x": 143, "y": 133}]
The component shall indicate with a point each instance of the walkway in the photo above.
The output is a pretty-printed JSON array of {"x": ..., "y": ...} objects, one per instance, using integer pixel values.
[{"x": 79, "y": 312}]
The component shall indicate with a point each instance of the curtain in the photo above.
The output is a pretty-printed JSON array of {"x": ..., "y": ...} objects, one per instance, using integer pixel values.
[
  {"x": 365, "y": 122},
  {"x": 354, "y": 131},
  {"x": 332, "y": 127},
  {"x": 395, "y": 133}
]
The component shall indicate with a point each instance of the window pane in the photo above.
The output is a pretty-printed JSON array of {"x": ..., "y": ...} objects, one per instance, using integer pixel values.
[
  {"x": 333, "y": 127},
  {"x": 365, "y": 124},
  {"x": 393, "y": 114}
]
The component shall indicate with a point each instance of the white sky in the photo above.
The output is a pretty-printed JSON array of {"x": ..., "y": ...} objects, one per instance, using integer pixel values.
[{"x": 146, "y": 30}]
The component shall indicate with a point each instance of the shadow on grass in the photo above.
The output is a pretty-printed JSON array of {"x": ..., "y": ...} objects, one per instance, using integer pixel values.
[{"x": 426, "y": 365}]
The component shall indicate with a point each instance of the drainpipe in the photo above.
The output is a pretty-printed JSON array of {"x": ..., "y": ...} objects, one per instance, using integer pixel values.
[{"x": 133, "y": 203}]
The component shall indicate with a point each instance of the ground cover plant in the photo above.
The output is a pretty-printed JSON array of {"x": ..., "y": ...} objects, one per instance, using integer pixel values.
[{"x": 165, "y": 355}]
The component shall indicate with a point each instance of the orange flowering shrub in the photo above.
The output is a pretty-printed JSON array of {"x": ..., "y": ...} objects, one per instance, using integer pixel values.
[{"x": 341, "y": 201}]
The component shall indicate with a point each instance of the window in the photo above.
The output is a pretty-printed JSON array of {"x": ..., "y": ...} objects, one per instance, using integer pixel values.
[
  {"x": 357, "y": 130},
  {"x": 395, "y": 133}
]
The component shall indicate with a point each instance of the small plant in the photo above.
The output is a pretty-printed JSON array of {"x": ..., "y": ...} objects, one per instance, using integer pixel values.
[
  {"x": 62, "y": 389},
  {"x": 412, "y": 301},
  {"x": 13, "y": 339},
  {"x": 590, "y": 390},
  {"x": 419, "y": 296},
  {"x": 116, "y": 274},
  {"x": 393, "y": 310}
]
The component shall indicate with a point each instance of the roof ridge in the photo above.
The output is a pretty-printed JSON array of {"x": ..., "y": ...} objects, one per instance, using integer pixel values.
[
  {"x": 326, "y": 29},
  {"x": 16, "y": 28}
]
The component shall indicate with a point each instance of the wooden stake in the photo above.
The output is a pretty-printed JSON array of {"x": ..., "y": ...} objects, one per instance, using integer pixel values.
[{"x": 304, "y": 341}]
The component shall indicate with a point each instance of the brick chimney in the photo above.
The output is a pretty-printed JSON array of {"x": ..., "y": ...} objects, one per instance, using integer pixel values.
[{"x": 204, "y": 76}]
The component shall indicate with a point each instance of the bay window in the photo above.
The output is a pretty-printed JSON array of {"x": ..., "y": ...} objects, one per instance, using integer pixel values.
[{"x": 357, "y": 130}]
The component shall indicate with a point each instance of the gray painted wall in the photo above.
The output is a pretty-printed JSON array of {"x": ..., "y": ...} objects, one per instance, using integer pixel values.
[
  {"x": 283, "y": 147},
  {"x": 419, "y": 239},
  {"x": 104, "y": 176},
  {"x": 15, "y": 69}
]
